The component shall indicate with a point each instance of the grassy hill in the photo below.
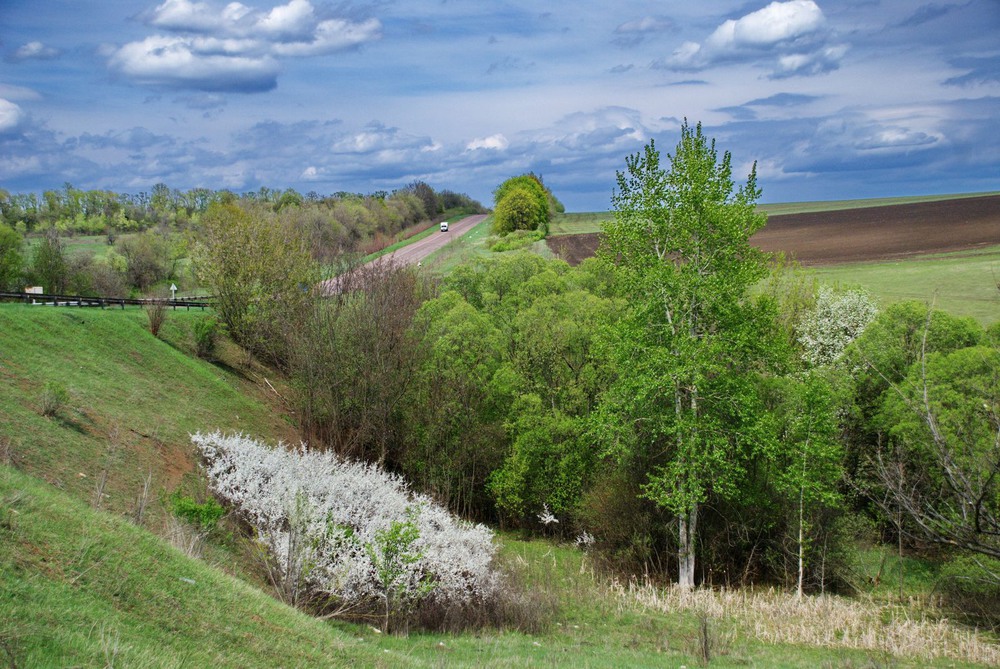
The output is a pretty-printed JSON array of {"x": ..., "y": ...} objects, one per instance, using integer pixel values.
[
  {"x": 84, "y": 588},
  {"x": 130, "y": 402},
  {"x": 81, "y": 585}
]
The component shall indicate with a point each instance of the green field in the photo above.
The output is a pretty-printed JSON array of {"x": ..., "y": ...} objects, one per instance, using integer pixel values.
[{"x": 963, "y": 284}]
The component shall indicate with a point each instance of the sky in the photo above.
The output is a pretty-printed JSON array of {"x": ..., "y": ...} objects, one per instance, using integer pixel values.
[{"x": 832, "y": 99}]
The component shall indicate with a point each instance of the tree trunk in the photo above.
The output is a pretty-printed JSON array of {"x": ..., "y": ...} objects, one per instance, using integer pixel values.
[
  {"x": 687, "y": 526},
  {"x": 802, "y": 562}
]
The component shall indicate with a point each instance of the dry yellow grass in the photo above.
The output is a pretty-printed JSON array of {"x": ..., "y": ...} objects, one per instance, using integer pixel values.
[{"x": 917, "y": 630}]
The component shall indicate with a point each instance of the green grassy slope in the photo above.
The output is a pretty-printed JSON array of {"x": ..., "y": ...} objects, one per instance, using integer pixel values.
[
  {"x": 82, "y": 588},
  {"x": 132, "y": 401}
]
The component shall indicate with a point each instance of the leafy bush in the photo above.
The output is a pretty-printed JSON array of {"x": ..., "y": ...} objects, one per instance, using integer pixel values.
[
  {"x": 351, "y": 534},
  {"x": 518, "y": 239},
  {"x": 971, "y": 586},
  {"x": 206, "y": 515},
  {"x": 206, "y": 335},
  {"x": 54, "y": 398}
]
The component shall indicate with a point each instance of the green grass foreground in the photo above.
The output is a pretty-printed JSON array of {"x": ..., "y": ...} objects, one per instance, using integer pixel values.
[
  {"x": 86, "y": 588},
  {"x": 82, "y": 588}
]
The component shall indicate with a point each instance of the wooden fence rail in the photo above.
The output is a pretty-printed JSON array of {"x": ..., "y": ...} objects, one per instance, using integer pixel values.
[{"x": 53, "y": 300}]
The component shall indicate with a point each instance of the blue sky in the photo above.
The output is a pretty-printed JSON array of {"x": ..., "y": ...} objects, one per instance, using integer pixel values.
[{"x": 834, "y": 100}]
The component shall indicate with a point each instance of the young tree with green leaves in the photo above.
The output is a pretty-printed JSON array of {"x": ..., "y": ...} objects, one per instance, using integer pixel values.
[
  {"x": 49, "y": 265},
  {"x": 685, "y": 407},
  {"x": 808, "y": 455}
]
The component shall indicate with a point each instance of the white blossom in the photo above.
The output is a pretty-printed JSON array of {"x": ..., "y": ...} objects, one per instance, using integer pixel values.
[
  {"x": 320, "y": 511},
  {"x": 835, "y": 321},
  {"x": 546, "y": 516}
]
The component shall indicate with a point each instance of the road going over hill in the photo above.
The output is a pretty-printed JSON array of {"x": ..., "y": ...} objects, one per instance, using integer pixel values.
[{"x": 413, "y": 253}]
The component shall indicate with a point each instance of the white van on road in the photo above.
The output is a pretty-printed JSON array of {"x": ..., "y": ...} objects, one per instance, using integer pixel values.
[{"x": 444, "y": 226}]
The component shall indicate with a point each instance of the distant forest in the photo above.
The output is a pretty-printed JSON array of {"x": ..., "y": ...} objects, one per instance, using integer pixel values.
[{"x": 354, "y": 219}]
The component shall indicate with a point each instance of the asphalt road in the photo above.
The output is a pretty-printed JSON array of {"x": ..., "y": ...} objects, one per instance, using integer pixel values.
[{"x": 413, "y": 253}]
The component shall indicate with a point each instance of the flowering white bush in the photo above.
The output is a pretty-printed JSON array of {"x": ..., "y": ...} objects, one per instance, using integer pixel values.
[
  {"x": 835, "y": 321},
  {"x": 331, "y": 522},
  {"x": 546, "y": 517}
]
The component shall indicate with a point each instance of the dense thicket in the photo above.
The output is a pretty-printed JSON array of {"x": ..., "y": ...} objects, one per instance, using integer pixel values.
[{"x": 664, "y": 401}]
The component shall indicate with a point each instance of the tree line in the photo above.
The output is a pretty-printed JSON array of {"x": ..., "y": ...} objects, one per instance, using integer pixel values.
[{"x": 150, "y": 234}]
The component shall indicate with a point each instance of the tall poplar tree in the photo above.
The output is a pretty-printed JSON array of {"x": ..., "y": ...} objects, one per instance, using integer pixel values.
[{"x": 685, "y": 407}]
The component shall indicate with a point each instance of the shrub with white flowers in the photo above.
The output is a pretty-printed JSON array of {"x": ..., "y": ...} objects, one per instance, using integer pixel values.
[
  {"x": 546, "y": 517},
  {"x": 348, "y": 530},
  {"x": 837, "y": 319},
  {"x": 585, "y": 540}
]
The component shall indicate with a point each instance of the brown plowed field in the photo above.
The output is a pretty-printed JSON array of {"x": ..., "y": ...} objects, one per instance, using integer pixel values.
[{"x": 857, "y": 235}]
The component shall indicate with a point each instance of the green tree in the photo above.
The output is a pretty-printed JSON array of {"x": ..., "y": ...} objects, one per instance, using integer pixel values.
[
  {"x": 685, "y": 407},
  {"x": 521, "y": 203},
  {"x": 456, "y": 404},
  {"x": 942, "y": 464},
  {"x": 394, "y": 554},
  {"x": 11, "y": 262},
  {"x": 49, "y": 267},
  {"x": 261, "y": 273},
  {"x": 518, "y": 210},
  {"x": 807, "y": 456}
]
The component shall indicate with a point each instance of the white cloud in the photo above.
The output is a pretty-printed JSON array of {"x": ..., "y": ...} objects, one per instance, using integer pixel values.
[
  {"x": 790, "y": 37},
  {"x": 495, "y": 142},
  {"x": 10, "y": 116},
  {"x": 35, "y": 50},
  {"x": 778, "y": 22},
  {"x": 636, "y": 31},
  {"x": 234, "y": 48},
  {"x": 296, "y": 20},
  {"x": 178, "y": 62}
]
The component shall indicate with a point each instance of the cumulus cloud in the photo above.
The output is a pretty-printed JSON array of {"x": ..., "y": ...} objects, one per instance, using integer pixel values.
[
  {"x": 235, "y": 48},
  {"x": 790, "y": 38},
  {"x": 34, "y": 51},
  {"x": 11, "y": 116},
  {"x": 496, "y": 142}
]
